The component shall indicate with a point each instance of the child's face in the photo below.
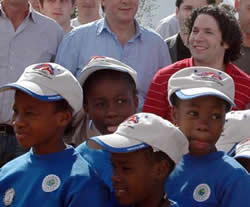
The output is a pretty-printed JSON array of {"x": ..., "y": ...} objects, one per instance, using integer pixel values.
[
  {"x": 133, "y": 178},
  {"x": 201, "y": 120},
  {"x": 110, "y": 102},
  {"x": 37, "y": 124},
  {"x": 245, "y": 162}
]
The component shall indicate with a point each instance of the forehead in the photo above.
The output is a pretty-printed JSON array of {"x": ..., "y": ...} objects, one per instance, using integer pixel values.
[
  {"x": 206, "y": 21},
  {"x": 208, "y": 102},
  {"x": 129, "y": 158}
]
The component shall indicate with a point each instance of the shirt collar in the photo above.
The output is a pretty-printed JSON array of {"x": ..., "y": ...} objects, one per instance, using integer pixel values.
[{"x": 103, "y": 26}]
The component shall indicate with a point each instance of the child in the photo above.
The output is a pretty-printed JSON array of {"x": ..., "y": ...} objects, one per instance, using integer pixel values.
[
  {"x": 109, "y": 88},
  {"x": 236, "y": 129},
  {"x": 200, "y": 98},
  {"x": 242, "y": 153},
  {"x": 51, "y": 173},
  {"x": 144, "y": 151}
]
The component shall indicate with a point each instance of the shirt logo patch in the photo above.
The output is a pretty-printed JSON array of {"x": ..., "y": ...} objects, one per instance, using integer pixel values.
[
  {"x": 51, "y": 183},
  {"x": 201, "y": 193},
  {"x": 9, "y": 197}
]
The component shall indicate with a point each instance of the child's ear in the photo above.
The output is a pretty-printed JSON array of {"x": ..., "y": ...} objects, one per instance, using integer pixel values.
[
  {"x": 136, "y": 102},
  {"x": 174, "y": 114},
  {"x": 86, "y": 108},
  {"x": 162, "y": 170},
  {"x": 64, "y": 118}
]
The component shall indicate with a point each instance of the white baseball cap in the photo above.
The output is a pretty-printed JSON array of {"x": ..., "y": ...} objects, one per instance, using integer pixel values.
[
  {"x": 143, "y": 130},
  {"x": 243, "y": 149},
  {"x": 194, "y": 82},
  {"x": 236, "y": 129},
  {"x": 49, "y": 82},
  {"x": 99, "y": 63}
]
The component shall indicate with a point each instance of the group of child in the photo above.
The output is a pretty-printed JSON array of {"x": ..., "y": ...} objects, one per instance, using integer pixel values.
[{"x": 127, "y": 158}]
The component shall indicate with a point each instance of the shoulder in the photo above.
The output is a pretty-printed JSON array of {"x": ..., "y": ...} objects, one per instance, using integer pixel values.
[
  {"x": 169, "y": 19},
  {"x": 46, "y": 22},
  {"x": 171, "y": 40},
  {"x": 150, "y": 34},
  {"x": 234, "y": 71},
  {"x": 15, "y": 165}
]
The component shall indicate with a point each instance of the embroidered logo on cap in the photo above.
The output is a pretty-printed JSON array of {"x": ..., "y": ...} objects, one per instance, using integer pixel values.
[
  {"x": 208, "y": 76},
  {"x": 9, "y": 197},
  {"x": 51, "y": 183},
  {"x": 201, "y": 192},
  {"x": 46, "y": 68}
]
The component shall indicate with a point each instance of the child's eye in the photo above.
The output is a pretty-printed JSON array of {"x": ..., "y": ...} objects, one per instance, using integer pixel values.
[
  {"x": 193, "y": 113},
  {"x": 216, "y": 116},
  {"x": 121, "y": 101},
  {"x": 100, "y": 104}
]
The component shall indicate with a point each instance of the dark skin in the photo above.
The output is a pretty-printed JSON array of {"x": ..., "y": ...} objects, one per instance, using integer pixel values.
[
  {"x": 135, "y": 187},
  {"x": 109, "y": 103},
  {"x": 245, "y": 162},
  {"x": 38, "y": 124},
  {"x": 201, "y": 120}
]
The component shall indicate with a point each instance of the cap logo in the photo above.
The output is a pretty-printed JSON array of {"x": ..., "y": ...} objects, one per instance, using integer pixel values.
[
  {"x": 45, "y": 68},
  {"x": 201, "y": 192},
  {"x": 209, "y": 76},
  {"x": 94, "y": 58}
]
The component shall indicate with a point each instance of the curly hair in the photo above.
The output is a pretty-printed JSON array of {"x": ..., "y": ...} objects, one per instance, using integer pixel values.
[{"x": 228, "y": 25}]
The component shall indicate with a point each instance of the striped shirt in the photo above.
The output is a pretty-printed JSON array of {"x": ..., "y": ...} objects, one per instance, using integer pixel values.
[{"x": 157, "y": 97}]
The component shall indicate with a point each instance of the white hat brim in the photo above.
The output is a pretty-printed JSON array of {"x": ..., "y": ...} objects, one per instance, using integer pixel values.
[
  {"x": 118, "y": 143},
  {"x": 37, "y": 91},
  {"x": 190, "y": 93}
]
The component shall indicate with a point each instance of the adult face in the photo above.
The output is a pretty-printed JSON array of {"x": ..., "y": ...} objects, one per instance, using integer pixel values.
[
  {"x": 244, "y": 16},
  {"x": 205, "y": 42},
  {"x": 59, "y": 10},
  {"x": 120, "y": 11},
  {"x": 186, "y": 8},
  {"x": 87, "y": 3},
  {"x": 35, "y": 4}
]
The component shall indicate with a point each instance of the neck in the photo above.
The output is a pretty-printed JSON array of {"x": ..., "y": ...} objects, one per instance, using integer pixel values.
[
  {"x": 156, "y": 200},
  {"x": 124, "y": 32},
  {"x": 217, "y": 65},
  {"x": 87, "y": 15},
  {"x": 246, "y": 40},
  {"x": 16, "y": 11},
  {"x": 66, "y": 26}
]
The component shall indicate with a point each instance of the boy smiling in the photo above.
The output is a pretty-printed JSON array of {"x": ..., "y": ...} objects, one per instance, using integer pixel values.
[{"x": 47, "y": 96}]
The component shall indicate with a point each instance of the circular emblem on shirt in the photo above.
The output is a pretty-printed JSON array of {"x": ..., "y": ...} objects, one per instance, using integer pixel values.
[
  {"x": 51, "y": 183},
  {"x": 201, "y": 192},
  {"x": 9, "y": 197}
]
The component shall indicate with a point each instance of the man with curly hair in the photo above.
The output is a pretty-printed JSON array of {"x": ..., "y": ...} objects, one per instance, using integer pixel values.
[{"x": 214, "y": 41}]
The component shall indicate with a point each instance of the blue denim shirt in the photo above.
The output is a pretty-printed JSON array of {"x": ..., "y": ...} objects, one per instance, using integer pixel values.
[{"x": 146, "y": 52}]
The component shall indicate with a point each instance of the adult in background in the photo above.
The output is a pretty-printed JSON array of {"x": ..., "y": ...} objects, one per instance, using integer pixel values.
[
  {"x": 87, "y": 11},
  {"x": 177, "y": 44},
  {"x": 244, "y": 19},
  {"x": 169, "y": 25},
  {"x": 117, "y": 35},
  {"x": 60, "y": 11},
  {"x": 214, "y": 41},
  {"x": 26, "y": 37}
]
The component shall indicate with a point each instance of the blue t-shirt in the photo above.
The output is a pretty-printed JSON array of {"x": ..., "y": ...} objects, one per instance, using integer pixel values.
[
  {"x": 99, "y": 160},
  {"x": 54, "y": 180},
  {"x": 213, "y": 180}
]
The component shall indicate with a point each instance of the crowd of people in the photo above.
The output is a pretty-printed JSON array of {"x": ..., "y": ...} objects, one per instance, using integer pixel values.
[{"x": 97, "y": 110}]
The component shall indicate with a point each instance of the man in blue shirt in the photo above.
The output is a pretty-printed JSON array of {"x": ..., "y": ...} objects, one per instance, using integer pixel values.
[{"x": 118, "y": 35}]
